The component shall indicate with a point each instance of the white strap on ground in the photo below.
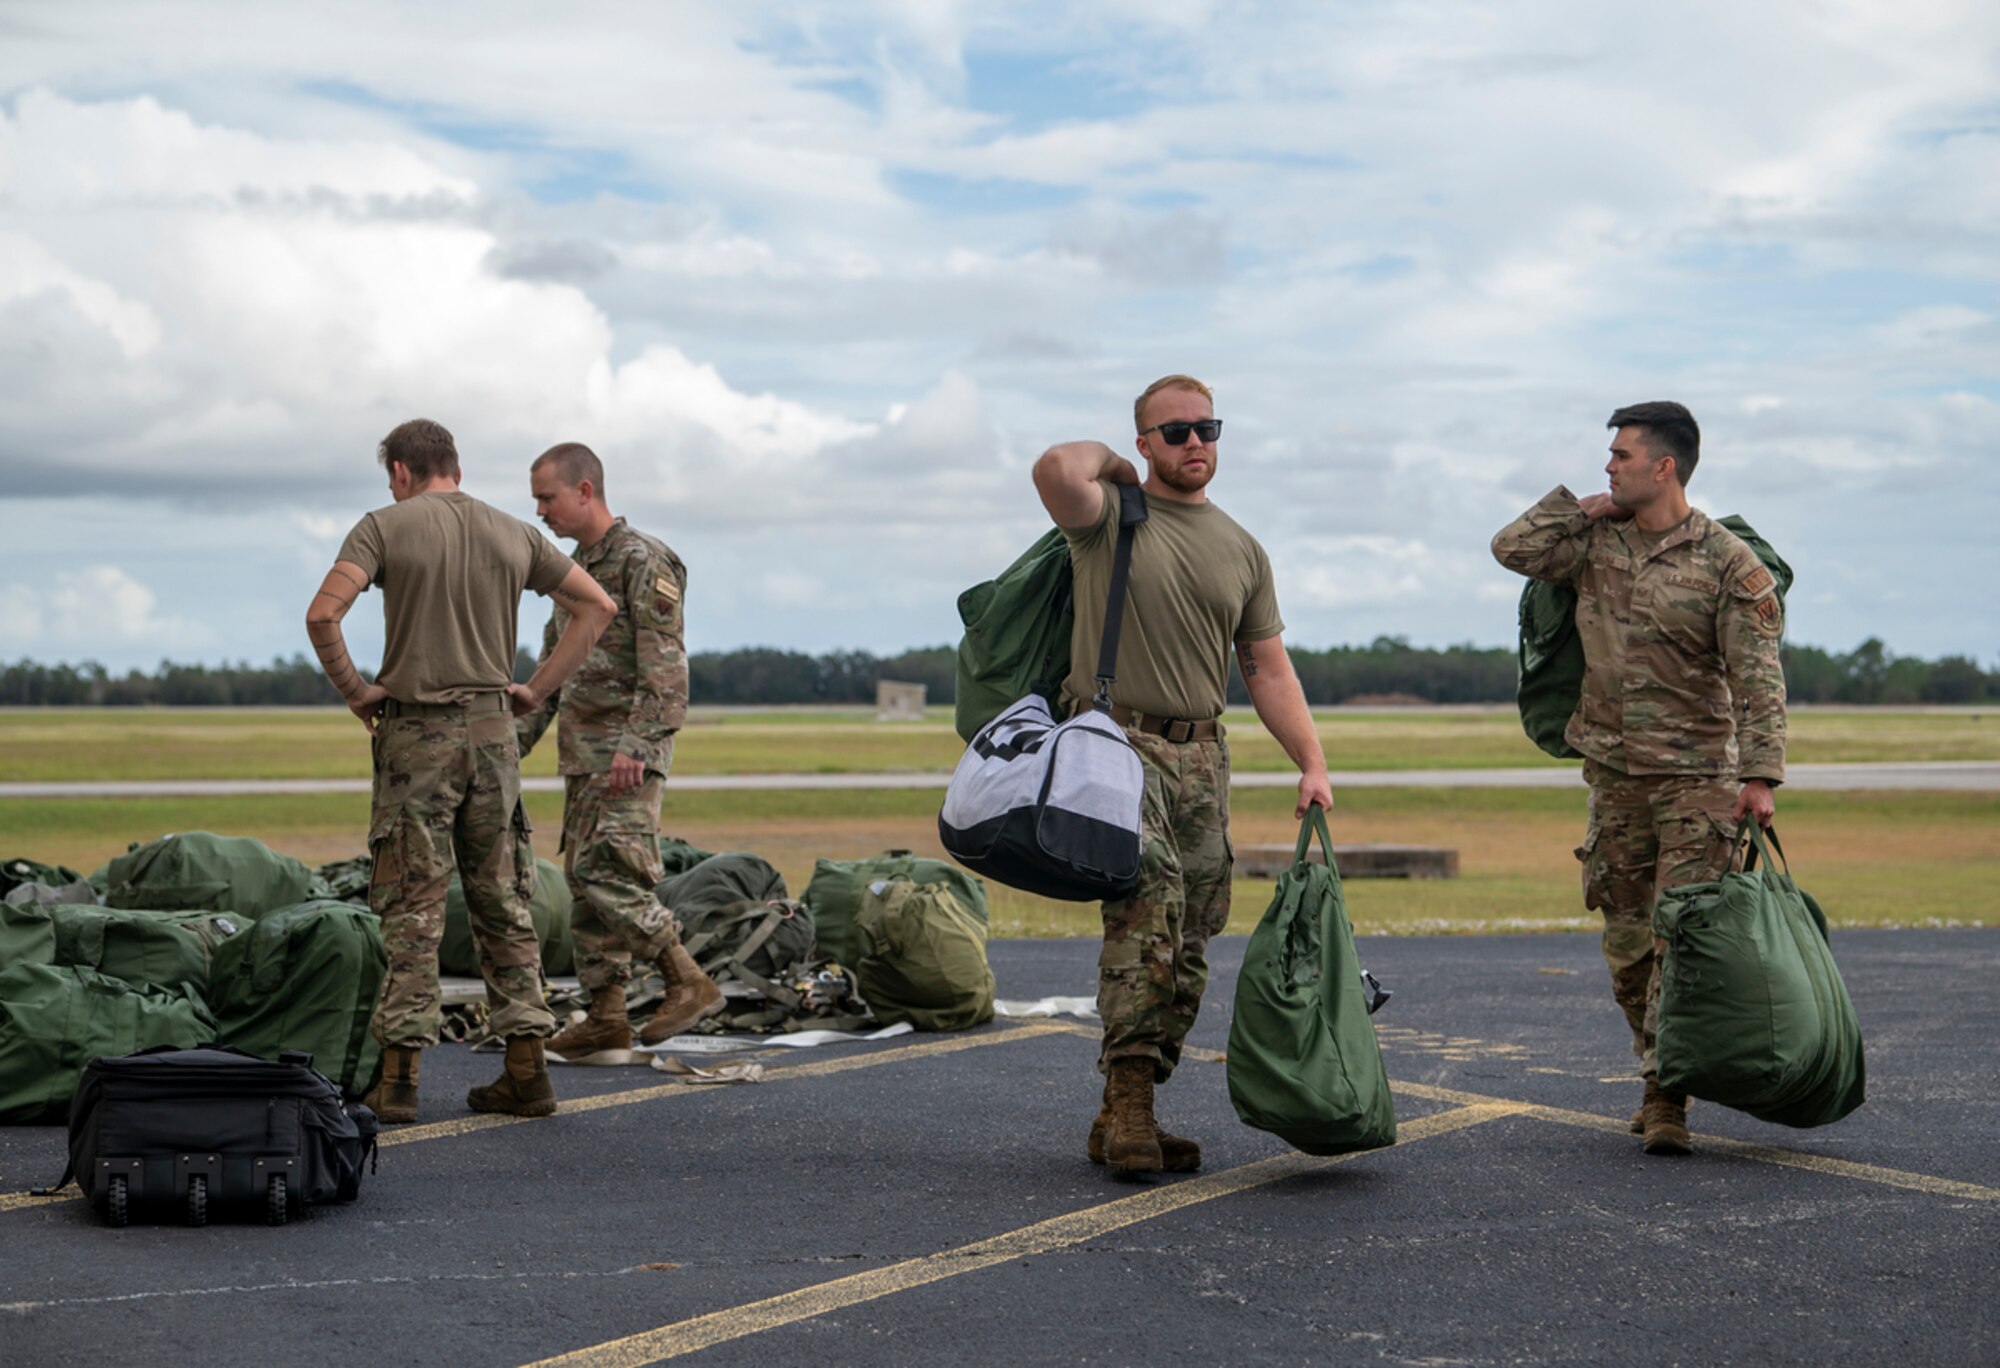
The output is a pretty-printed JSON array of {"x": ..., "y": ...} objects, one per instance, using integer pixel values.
[{"x": 1048, "y": 1007}]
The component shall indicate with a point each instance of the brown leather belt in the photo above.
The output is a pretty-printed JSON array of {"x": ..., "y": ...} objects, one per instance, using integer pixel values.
[
  {"x": 475, "y": 706},
  {"x": 1179, "y": 730}
]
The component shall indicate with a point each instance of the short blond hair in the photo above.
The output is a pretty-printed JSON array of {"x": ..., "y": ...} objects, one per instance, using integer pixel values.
[{"x": 1167, "y": 382}]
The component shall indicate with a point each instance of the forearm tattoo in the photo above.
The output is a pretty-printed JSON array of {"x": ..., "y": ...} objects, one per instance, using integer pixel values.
[{"x": 323, "y": 629}]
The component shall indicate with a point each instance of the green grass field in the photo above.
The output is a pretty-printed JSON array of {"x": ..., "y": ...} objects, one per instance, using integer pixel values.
[
  {"x": 1873, "y": 859},
  {"x": 55, "y": 745}
]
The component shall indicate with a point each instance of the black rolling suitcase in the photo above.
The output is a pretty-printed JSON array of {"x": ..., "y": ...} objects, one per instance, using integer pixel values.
[{"x": 214, "y": 1125}]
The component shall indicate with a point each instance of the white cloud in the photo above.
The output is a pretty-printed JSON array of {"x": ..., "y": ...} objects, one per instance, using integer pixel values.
[
  {"x": 818, "y": 281},
  {"x": 94, "y": 609}
]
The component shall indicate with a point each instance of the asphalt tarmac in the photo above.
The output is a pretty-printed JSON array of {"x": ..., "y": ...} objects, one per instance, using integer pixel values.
[{"x": 926, "y": 1200}]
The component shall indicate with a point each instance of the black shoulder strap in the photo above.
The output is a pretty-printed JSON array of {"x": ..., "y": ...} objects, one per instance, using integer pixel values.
[{"x": 1131, "y": 512}]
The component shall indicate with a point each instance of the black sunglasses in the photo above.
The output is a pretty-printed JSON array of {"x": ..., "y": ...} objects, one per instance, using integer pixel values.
[{"x": 1174, "y": 434}]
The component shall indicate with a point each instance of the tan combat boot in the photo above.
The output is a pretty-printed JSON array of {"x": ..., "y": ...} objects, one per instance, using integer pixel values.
[
  {"x": 394, "y": 1098},
  {"x": 1178, "y": 1154},
  {"x": 523, "y": 1088},
  {"x": 1132, "y": 1140},
  {"x": 1663, "y": 1121},
  {"x": 1638, "y": 1122},
  {"x": 691, "y": 996},
  {"x": 606, "y": 1027}
]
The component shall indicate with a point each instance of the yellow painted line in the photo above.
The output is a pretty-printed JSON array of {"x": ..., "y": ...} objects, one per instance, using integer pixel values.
[
  {"x": 467, "y": 1125},
  {"x": 1619, "y": 1125},
  {"x": 1044, "y": 1237},
  {"x": 17, "y": 1201},
  {"x": 1741, "y": 1149}
]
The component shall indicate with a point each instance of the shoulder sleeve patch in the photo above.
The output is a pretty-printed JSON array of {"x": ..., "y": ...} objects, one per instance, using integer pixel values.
[
  {"x": 1756, "y": 584},
  {"x": 666, "y": 589}
]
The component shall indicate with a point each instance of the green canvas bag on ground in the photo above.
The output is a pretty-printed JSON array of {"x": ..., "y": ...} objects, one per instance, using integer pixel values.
[
  {"x": 920, "y": 957},
  {"x": 1549, "y": 669},
  {"x": 734, "y": 876},
  {"x": 304, "y": 978},
  {"x": 1753, "y": 1012},
  {"x": 197, "y": 871},
  {"x": 549, "y": 907},
  {"x": 159, "y": 948},
  {"x": 678, "y": 856},
  {"x": 837, "y": 887},
  {"x": 1304, "y": 1063},
  {"x": 1017, "y": 630},
  {"x": 27, "y": 935},
  {"x": 15, "y": 872},
  {"x": 55, "y": 1019},
  {"x": 755, "y": 941}
]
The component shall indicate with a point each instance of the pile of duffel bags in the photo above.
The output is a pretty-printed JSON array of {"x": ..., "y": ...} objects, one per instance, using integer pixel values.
[
  {"x": 911, "y": 931},
  {"x": 201, "y": 938}
]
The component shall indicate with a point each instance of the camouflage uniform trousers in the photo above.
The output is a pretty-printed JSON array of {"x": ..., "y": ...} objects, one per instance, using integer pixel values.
[
  {"x": 448, "y": 792},
  {"x": 611, "y": 853},
  {"x": 1153, "y": 968},
  {"x": 1648, "y": 833}
]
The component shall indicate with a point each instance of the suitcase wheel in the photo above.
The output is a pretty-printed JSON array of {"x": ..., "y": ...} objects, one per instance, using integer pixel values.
[
  {"x": 114, "y": 1203},
  {"x": 276, "y": 1209},
  {"x": 197, "y": 1212}
]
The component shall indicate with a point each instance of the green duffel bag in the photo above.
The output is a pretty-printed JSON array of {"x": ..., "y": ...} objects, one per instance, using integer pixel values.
[
  {"x": 1304, "y": 1063},
  {"x": 734, "y": 876},
  {"x": 305, "y": 978},
  {"x": 837, "y": 886},
  {"x": 14, "y": 873},
  {"x": 920, "y": 957},
  {"x": 678, "y": 857},
  {"x": 1753, "y": 1012},
  {"x": 755, "y": 942},
  {"x": 27, "y": 934},
  {"x": 196, "y": 871},
  {"x": 160, "y": 948},
  {"x": 459, "y": 957},
  {"x": 55, "y": 1019},
  {"x": 1549, "y": 667},
  {"x": 1017, "y": 630}
]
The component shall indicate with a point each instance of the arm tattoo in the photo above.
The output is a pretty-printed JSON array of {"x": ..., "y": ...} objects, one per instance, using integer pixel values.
[{"x": 1245, "y": 659}]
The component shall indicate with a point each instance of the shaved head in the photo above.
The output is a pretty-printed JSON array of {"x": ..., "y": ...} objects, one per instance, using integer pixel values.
[{"x": 573, "y": 463}]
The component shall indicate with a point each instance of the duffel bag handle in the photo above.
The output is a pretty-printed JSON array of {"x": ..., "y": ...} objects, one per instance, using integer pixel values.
[
  {"x": 1758, "y": 834},
  {"x": 1314, "y": 823}
]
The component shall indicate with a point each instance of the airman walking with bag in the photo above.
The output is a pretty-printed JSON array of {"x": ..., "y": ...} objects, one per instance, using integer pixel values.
[
  {"x": 1682, "y": 717},
  {"x": 1200, "y": 586}
]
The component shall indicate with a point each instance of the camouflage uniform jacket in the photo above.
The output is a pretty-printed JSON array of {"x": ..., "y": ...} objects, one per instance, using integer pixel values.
[
  {"x": 630, "y": 694},
  {"x": 1680, "y": 640}
]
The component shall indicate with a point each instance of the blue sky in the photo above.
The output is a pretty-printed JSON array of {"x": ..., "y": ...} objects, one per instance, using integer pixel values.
[{"x": 819, "y": 281}]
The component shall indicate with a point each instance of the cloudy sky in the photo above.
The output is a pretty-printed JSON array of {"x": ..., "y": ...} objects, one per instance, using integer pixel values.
[{"x": 820, "y": 280}]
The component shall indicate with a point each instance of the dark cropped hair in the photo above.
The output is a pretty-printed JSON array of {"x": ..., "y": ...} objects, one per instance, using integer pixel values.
[
  {"x": 423, "y": 448},
  {"x": 574, "y": 463},
  {"x": 1670, "y": 428}
]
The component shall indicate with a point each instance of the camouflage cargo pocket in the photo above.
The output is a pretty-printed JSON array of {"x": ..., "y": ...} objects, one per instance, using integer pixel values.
[
  {"x": 1594, "y": 893},
  {"x": 524, "y": 851},
  {"x": 388, "y": 859}
]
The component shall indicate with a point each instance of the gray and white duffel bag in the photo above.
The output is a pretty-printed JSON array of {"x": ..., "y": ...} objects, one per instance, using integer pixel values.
[{"x": 1053, "y": 807}]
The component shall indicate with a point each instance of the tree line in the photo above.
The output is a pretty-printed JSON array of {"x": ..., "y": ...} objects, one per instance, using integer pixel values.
[{"x": 1388, "y": 669}]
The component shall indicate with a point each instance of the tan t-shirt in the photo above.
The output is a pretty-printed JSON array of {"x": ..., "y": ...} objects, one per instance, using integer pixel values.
[
  {"x": 1199, "y": 582},
  {"x": 451, "y": 570}
]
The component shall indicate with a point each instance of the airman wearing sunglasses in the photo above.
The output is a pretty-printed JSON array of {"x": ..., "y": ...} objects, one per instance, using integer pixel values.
[{"x": 1200, "y": 586}]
